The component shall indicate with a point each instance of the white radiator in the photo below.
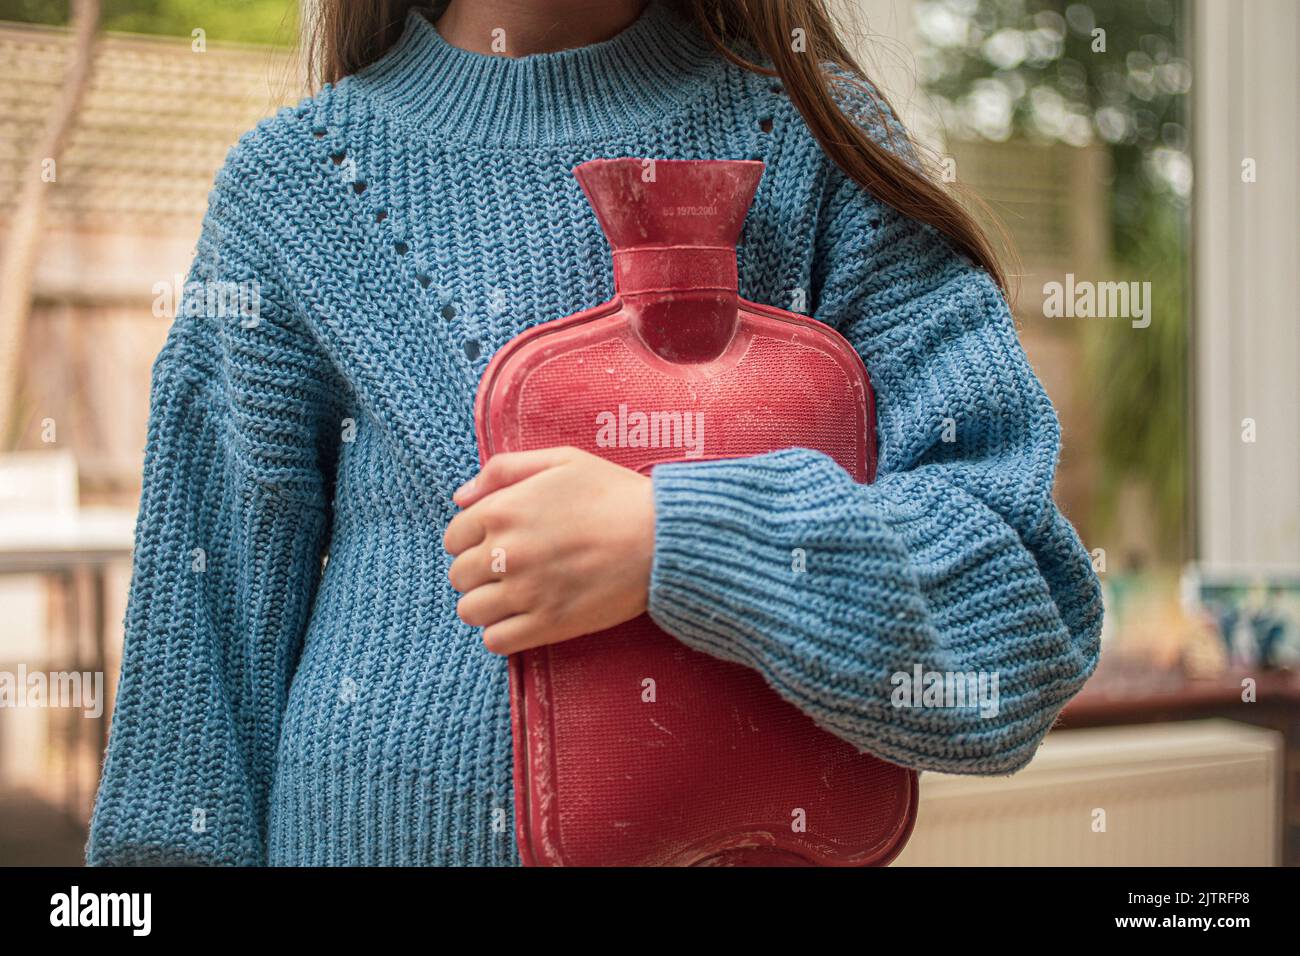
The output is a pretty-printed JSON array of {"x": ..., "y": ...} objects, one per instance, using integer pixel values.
[{"x": 1200, "y": 793}]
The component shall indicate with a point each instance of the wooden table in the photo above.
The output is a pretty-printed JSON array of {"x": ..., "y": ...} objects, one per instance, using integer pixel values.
[{"x": 67, "y": 545}]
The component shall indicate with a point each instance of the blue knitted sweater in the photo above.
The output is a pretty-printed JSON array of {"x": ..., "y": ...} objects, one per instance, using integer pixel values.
[{"x": 296, "y": 686}]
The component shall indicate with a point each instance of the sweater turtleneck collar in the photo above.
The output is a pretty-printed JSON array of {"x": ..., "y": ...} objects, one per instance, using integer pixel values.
[{"x": 621, "y": 85}]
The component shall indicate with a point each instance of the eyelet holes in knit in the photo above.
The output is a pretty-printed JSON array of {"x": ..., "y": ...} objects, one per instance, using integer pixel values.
[
  {"x": 473, "y": 349},
  {"x": 765, "y": 124}
]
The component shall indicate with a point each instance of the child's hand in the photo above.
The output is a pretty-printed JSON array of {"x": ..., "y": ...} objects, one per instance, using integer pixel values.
[{"x": 551, "y": 545}]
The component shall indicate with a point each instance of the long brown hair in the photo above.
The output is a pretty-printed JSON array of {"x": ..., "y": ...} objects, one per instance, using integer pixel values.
[{"x": 351, "y": 34}]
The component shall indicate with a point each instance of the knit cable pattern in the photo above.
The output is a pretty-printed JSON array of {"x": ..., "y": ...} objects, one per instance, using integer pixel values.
[{"x": 296, "y": 686}]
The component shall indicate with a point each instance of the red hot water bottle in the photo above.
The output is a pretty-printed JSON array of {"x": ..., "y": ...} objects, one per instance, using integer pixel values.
[{"x": 630, "y": 748}]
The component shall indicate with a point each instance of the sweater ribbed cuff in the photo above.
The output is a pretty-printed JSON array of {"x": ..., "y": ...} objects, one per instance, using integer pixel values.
[
  {"x": 722, "y": 546},
  {"x": 830, "y": 590}
]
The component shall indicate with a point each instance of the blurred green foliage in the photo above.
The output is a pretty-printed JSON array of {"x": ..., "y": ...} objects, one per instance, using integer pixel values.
[
  {"x": 1040, "y": 69},
  {"x": 230, "y": 21}
]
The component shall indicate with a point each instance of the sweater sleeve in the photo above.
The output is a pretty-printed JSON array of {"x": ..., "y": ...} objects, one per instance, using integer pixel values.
[
  {"x": 956, "y": 560},
  {"x": 230, "y": 536}
]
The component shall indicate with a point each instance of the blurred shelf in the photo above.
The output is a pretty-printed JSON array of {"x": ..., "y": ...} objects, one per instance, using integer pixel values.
[{"x": 1127, "y": 695}]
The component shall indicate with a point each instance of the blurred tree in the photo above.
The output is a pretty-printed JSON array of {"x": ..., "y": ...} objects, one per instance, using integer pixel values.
[
  {"x": 230, "y": 21},
  {"x": 1108, "y": 71},
  {"x": 22, "y": 239}
]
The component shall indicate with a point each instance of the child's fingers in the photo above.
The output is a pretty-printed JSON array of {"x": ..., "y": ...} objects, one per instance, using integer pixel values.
[
  {"x": 484, "y": 605},
  {"x": 507, "y": 469},
  {"x": 463, "y": 531},
  {"x": 521, "y": 632},
  {"x": 473, "y": 568}
]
